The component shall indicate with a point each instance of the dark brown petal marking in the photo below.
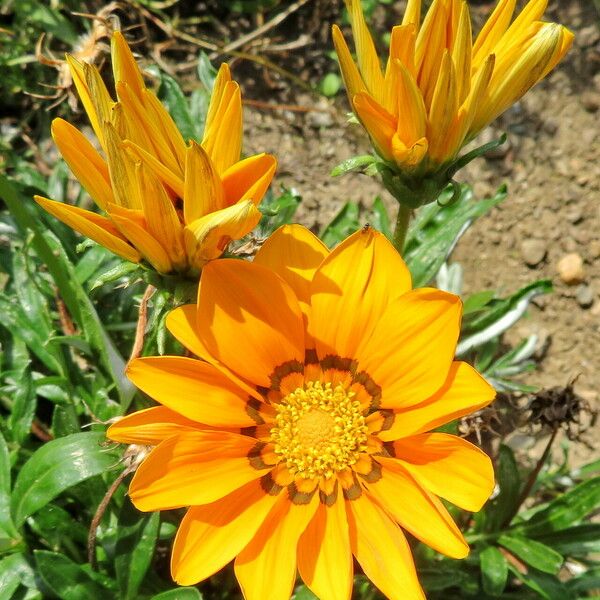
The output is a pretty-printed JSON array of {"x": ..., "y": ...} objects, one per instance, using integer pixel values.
[
  {"x": 354, "y": 491},
  {"x": 268, "y": 484},
  {"x": 310, "y": 357},
  {"x": 388, "y": 419},
  {"x": 329, "y": 499},
  {"x": 253, "y": 410},
  {"x": 282, "y": 371},
  {"x": 298, "y": 497},
  {"x": 388, "y": 449},
  {"x": 255, "y": 456},
  {"x": 332, "y": 361},
  {"x": 371, "y": 388},
  {"x": 249, "y": 431},
  {"x": 374, "y": 474}
]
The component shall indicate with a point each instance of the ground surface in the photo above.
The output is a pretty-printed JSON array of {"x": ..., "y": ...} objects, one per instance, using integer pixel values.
[{"x": 552, "y": 167}]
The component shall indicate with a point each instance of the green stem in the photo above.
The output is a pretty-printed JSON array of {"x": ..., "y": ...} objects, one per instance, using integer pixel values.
[{"x": 402, "y": 221}]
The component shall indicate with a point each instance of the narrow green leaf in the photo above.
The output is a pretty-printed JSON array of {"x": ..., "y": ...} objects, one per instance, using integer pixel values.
[
  {"x": 356, "y": 163},
  {"x": 533, "y": 553},
  {"x": 568, "y": 509},
  {"x": 380, "y": 219},
  {"x": 5, "y": 521},
  {"x": 13, "y": 570},
  {"x": 345, "y": 222},
  {"x": 134, "y": 550},
  {"x": 545, "y": 585},
  {"x": 499, "y": 510},
  {"x": 494, "y": 571},
  {"x": 578, "y": 541},
  {"x": 67, "y": 579},
  {"x": 182, "y": 593},
  {"x": 56, "y": 466},
  {"x": 277, "y": 211},
  {"x": 303, "y": 593}
]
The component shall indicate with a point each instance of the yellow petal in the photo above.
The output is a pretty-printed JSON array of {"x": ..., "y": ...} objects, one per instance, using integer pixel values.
[
  {"x": 449, "y": 467},
  {"x": 411, "y": 111},
  {"x": 350, "y": 74},
  {"x": 416, "y": 510},
  {"x": 378, "y": 122},
  {"x": 202, "y": 190},
  {"x": 183, "y": 325},
  {"x": 148, "y": 246},
  {"x": 170, "y": 179},
  {"x": 223, "y": 77},
  {"x": 402, "y": 47},
  {"x": 368, "y": 61},
  {"x": 237, "y": 323},
  {"x": 412, "y": 13},
  {"x": 444, "y": 106},
  {"x": 99, "y": 95},
  {"x": 83, "y": 160},
  {"x": 410, "y": 351},
  {"x": 531, "y": 13},
  {"x": 324, "y": 556},
  {"x": 192, "y": 388},
  {"x": 409, "y": 157},
  {"x": 223, "y": 134},
  {"x": 98, "y": 228},
  {"x": 382, "y": 550},
  {"x": 149, "y": 427},
  {"x": 194, "y": 467},
  {"x": 462, "y": 54},
  {"x": 349, "y": 284},
  {"x": 210, "y": 536},
  {"x": 492, "y": 31},
  {"x": 207, "y": 237},
  {"x": 161, "y": 218},
  {"x": 249, "y": 179},
  {"x": 266, "y": 568},
  {"x": 124, "y": 65},
  {"x": 463, "y": 392}
]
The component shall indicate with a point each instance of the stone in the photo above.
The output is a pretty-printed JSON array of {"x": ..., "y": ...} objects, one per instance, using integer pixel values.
[
  {"x": 585, "y": 296},
  {"x": 533, "y": 252},
  {"x": 590, "y": 101},
  {"x": 570, "y": 269}
]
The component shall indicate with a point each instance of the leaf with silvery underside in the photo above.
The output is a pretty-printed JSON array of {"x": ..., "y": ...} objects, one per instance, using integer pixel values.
[
  {"x": 353, "y": 164},
  {"x": 494, "y": 571}
]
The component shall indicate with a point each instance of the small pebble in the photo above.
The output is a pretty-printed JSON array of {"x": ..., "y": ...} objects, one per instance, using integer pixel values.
[
  {"x": 585, "y": 296},
  {"x": 533, "y": 252},
  {"x": 590, "y": 101},
  {"x": 570, "y": 268}
]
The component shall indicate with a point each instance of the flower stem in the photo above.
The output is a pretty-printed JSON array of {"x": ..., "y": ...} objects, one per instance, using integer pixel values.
[{"x": 402, "y": 221}]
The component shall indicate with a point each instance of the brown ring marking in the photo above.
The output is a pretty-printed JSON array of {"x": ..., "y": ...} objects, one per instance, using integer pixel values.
[
  {"x": 298, "y": 497},
  {"x": 374, "y": 474},
  {"x": 333, "y": 361},
  {"x": 329, "y": 499},
  {"x": 374, "y": 390},
  {"x": 283, "y": 370},
  {"x": 267, "y": 483},
  {"x": 255, "y": 456},
  {"x": 354, "y": 491},
  {"x": 253, "y": 410},
  {"x": 310, "y": 357}
]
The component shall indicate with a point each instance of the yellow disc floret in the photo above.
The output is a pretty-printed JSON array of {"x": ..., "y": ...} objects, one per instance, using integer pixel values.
[{"x": 319, "y": 430}]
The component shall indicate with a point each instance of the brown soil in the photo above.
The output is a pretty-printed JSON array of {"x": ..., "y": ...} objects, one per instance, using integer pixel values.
[{"x": 552, "y": 167}]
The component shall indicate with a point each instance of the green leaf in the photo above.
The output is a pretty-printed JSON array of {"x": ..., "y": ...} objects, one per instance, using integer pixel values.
[
  {"x": 6, "y": 523},
  {"x": 10, "y": 578},
  {"x": 56, "y": 466},
  {"x": 494, "y": 571},
  {"x": 568, "y": 509},
  {"x": 55, "y": 525},
  {"x": 380, "y": 218},
  {"x": 23, "y": 408},
  {"x": 342, "y": 225},
  {"x": 134, "y": 550},
  {"x": 303, "y": 593},
  {"x": 115, "y": 272},
  {"x": 356, "y": 163},
  {"x": 533, "y": 553},
  {"x": 476, "y": 302},
  {"x": 67, "y": 579},
  {"x": 500, "y": 509},
  {"x": 277, "y": 211},
  {"x": 546, "y": 586},
  {"x": 578, "y": 541},
  {"x": 436, "y": 229},
  {"x": 182, "y": 593},
  {"x": 49, "y": 250}
]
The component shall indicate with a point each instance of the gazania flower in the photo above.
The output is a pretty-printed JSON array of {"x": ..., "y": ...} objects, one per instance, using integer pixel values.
[
  {"x": 302, "y": 436},
  {"x": 173, "y": 205},
  {"x": 439, "y": 87}
]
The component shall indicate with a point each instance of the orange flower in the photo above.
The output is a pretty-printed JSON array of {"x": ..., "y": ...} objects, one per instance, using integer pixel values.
[
  {"x": 440, "y": 87},
  {"x": 172, "y": 205},
  {"x": 302, "y": 437}
]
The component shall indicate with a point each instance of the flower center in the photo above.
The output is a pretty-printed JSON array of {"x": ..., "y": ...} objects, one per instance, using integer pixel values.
[{"x": 319, "y": 430}]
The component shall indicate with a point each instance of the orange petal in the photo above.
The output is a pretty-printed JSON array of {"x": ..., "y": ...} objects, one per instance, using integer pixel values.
[
  {"x": 417, "y": 510},
  {"x": 378, "y": 122},
  {"x": 182, "y": 323},
  {"x": 353, "y": 285},
  {"x": 463, "y": 392},
  {"x": 98, "y": 228},
  {"x": 449, "y": 467},
  {"x": 249, "y": 319},
  {"x": 410, "y": 352},
  {"x": 148, "y": 246},
  {"x": 412, "y": 13},
  {"x": 149, "y": 427},
  {"x": 192, "y": 388},
  {"x": 352, "y": 78},
  {"x": 266, "y": 568},
  {"x": 124, "y": 65},
  {"x": 213, "y": 534},
  {"x": 195, "y": 467},
  {"x": 382, "y": 550},
  {"x": 207, "y": 238},
  {"x": 84, "y": 161},
  {"x": 324, "y": 556},
  {"x": 249, "y": 179},
  {"x": 202, "y": 190},
  {"x": 222, "y": 79}
]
